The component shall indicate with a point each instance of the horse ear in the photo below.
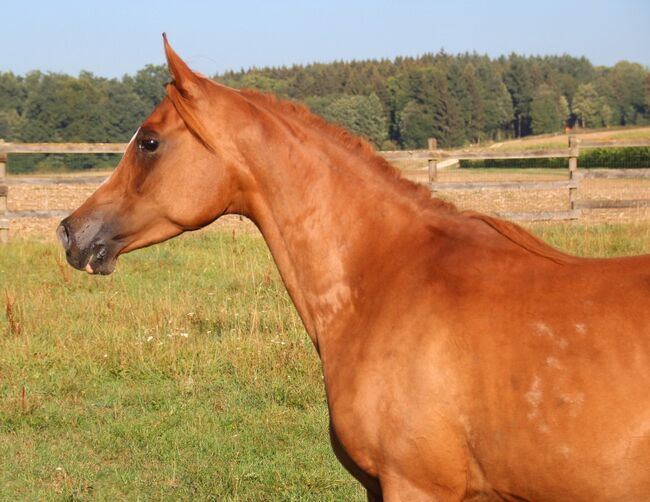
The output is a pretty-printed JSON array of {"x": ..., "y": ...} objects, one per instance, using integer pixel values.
[{"x": 184, "y": 78}]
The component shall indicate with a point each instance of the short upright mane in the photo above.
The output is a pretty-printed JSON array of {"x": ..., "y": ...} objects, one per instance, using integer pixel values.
[{"x": 354, "y": 143}]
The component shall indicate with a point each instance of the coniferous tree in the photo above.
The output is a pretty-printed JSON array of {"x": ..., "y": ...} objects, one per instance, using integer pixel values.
[
  {"x": 360, "y": 115},
  {"x": 497, "y": 102},
  {"x": 519, "y": 83},
  {"x": 547, "y": 114},
  {"x": 627, "y": 93},
  {"x": 587, "y": 106}
]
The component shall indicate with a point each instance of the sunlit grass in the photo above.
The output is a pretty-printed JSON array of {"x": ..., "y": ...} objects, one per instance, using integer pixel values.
[
  {"x": 599, "y": 240},
  {"x": 528, "y": 144},
  {"x": 640, "y": 133},
  {"x": 185, "y": 375}
]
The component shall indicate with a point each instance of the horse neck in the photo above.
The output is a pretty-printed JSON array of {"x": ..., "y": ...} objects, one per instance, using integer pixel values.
[{"x": 326, "y": 213}]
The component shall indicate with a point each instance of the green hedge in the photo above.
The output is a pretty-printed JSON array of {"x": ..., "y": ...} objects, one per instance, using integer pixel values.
[
  {"x": 514, "y": 163},
  {"x": 613, "y": 158},
  {"x": 58, "y": 163},
  {"x": 610, "y": 158}
]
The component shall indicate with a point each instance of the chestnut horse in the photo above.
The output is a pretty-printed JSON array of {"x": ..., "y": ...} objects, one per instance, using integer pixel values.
[{"x": 463, "y": 358}]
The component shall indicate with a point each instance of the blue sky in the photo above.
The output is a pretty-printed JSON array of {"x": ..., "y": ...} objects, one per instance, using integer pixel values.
[{"x": 114, "y": 37}]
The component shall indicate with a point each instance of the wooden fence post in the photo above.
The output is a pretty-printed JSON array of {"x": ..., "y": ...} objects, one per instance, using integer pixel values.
[
  {"x": 433, "y": 170},
  {"x": 4, "y": 223},
  {"x": 432, "y": 163},
  {"x": 573, "y": 171}
]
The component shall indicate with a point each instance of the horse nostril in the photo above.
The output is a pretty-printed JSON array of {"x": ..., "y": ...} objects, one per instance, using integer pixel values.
[{"x": 64, "y": 237}]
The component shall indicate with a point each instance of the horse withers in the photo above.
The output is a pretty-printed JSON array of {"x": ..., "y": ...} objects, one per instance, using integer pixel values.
[{"x": 463, "y": 358}]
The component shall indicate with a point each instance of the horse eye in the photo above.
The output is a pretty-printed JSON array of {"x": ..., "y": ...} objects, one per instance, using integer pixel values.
[{"x": 150, "y": 145}]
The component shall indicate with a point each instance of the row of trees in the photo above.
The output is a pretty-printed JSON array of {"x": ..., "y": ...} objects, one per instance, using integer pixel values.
[
  {"x": 465, "y": 98},
  {"x": 394, "y": 103}
]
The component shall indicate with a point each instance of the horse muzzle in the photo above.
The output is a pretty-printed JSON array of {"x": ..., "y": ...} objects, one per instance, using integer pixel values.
[{"x": 88, "y": 246}]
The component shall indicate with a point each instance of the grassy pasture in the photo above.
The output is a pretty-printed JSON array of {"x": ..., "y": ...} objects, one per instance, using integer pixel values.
[{"x": 186, "y": 375}]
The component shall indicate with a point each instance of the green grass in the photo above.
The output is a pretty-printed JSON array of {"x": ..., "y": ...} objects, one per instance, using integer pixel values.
[
  {"x": 186, "y": 375},
  {"x": 546, "y": 144},
  {"x": 636, "y": 133},
  {"x": 600, "y": 240}
]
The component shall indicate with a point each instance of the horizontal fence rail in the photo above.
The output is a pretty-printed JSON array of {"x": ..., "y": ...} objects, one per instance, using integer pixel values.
[
  {"x": 502, "y": 185},
  {"x": 595, "y": 174},
  {"x": 63, "y": 147}
]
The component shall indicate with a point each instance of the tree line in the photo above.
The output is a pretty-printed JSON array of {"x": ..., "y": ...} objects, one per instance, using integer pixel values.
[{"x": 457, "y": 99}]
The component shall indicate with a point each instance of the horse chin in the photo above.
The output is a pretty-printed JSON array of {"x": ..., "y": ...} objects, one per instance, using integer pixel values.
[{"x": 99, "y": 259}]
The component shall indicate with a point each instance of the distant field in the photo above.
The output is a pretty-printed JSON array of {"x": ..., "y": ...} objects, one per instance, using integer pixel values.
[
  {"x": 186, "y": 375},
  {"x": 562, "y": 140}
]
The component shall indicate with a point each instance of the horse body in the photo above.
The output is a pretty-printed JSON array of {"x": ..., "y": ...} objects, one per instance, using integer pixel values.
[
  {"x": 462, "y": 357},
  {"x": 504, "y": 377},
  {"x": 538, "y": 404}
]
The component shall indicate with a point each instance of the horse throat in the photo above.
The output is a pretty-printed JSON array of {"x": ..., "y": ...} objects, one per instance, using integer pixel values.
[{"x": 325, "y": 216}]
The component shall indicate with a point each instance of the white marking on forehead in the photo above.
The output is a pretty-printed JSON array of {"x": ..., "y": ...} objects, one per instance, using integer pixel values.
[
  {"x": 133, "y": 137},
  {"x": 127, "y": 147}
]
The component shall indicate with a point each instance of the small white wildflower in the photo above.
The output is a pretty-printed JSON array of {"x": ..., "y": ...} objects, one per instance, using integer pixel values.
[{"x": 184, "y": 335}]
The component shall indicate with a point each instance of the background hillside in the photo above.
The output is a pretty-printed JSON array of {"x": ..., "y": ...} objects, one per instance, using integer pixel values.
[{"x": 461, "y": 99}]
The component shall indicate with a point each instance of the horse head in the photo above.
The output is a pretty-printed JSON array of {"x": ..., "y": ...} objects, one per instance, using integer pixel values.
[{"x": 176, "y": 175}]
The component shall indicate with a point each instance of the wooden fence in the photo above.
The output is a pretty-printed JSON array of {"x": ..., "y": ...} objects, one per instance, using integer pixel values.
[
  {"x": 432, "y": 156},
  {"x": 573, "y": 208},
  {"x": 7, "y": 148}
]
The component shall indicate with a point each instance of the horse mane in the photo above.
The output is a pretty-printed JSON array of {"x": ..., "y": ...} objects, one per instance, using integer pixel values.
[
  {"x": 360, "y": 146},
  {"x": 353, "y": 143},
  {"x": 521, "y": 237}
]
